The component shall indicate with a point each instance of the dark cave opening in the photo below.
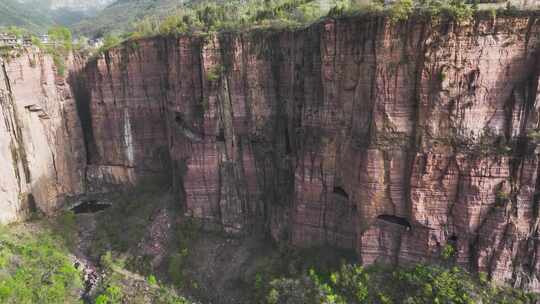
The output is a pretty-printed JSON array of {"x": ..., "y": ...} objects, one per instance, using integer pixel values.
[
  {"x": 221, "y": 135},
  {"x": 90, "y": 207},
  {"x": 395, "y": 220},
  {"x": 178, "y": 119},
  {"x": 341, "y": 192},
  {"x": 32, "y": 206}
]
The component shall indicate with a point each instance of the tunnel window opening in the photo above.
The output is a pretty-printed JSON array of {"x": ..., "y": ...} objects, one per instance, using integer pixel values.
[
  {"x": 395, "y": 220},
  {"x": 90, "y": 207},
  {"x": 178, "y": 118},
  {"x": 341, "y": 192},
  {"x": 257, "y": 140},
  {"x": 453, "y": 238},
  {"x": 288, "y": 149},
  {"x": 32, "y": 205},
  {"x": 472, "y": 77},
  {"x": 221, "y": 135}
]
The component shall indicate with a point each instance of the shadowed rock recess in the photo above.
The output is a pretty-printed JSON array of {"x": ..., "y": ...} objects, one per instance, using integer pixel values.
[{"x": 395, "y": 140}]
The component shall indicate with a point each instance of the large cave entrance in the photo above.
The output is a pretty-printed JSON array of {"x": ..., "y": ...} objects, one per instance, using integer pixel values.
[
  {"x": 91, "y": 206},
  {"x": 401, "y": 221}
]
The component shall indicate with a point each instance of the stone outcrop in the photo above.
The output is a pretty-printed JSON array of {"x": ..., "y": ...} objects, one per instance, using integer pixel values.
[
  {"x": 41, "y": 146},
  {"x": 400, "y": 141}
]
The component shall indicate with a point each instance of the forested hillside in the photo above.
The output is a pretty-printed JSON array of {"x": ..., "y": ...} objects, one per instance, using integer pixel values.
[
  {"x": 126, "y": 16},
  {"x": 121, "y": 15},
  {"x": 38, "y": 15},
  {"x": 25, "y": 15}
]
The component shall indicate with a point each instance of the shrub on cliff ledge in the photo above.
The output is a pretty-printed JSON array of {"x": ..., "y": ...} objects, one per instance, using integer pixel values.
[
  {"x": 214, "y": 74},
  {"x": 534, "y": 136},
  {"x": 401, "y": 10},
  {"x": 174, "y": 24},
  {"x": 110, "y": 41},
  {"x": 455, "y": 9},
  {"x": 59, "y": 47},
  {"x": 448, "y": 252}
]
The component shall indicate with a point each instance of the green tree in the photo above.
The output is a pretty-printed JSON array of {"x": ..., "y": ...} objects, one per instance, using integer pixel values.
[
  {"x": 401, "y": 10},
  {"x": 112, "y": 295},
  {"x": 61, "y": 35},
  {"x": 172, "y": 25},
  {"x": 110, "y": 41}
]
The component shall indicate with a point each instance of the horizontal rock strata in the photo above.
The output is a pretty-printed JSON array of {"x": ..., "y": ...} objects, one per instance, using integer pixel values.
[{"x": 400, "y": 141}]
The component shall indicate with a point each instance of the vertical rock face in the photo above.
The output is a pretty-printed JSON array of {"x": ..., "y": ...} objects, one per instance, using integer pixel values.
[
  {"x": 394, "y": 140},
  {"x": 122, "y": 113},
  {"x": 41, "y": 146}
]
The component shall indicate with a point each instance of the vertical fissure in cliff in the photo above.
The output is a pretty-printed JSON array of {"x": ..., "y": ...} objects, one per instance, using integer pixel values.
[
  {"x": 18, "y": 150},
  {"x": 81, "y": 92},
  {"x": 416, "y": 138}
]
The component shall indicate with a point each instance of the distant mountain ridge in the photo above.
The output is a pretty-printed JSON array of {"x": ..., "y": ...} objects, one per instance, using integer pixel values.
[
  {"x": 79, "y": 4},
  {"x": 85, "y": 17},
  {"x": 27, "y": 14},
  {"x": 38, "y": 15},
  {"x": 122, "y": 14},
  {"x": 76, "y": 5}
]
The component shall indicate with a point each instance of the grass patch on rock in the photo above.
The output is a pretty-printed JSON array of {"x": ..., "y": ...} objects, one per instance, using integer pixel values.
[{"x": 35, "y": 267}]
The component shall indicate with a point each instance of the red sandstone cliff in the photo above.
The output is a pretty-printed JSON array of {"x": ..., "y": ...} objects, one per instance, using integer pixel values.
[
  {"x": 41, "y": 147},
  {"x": 393, "y": 140}
]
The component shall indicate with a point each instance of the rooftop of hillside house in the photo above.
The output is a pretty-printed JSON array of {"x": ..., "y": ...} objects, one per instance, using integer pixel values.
[{"x": 11, "y": 40}]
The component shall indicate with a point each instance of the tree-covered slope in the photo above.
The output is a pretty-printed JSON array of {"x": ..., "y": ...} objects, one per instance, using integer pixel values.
[
  {"x": 38, "y": 15},
  {"x": 27, "y": 15},
  {"x": 130, "y": 15},
  {"x": 121, "y": 15}
]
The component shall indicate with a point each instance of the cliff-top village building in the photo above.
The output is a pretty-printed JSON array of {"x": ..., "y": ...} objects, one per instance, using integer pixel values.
[{"x": 10, "y": 40}]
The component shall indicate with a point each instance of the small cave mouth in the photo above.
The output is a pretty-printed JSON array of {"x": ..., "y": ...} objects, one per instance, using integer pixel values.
[
  {"x": 395, "y": 220},
  {"x": 453, "y": 239},
  {"x": 221, "y": 135},
  {"x": 178, "y": 119},
  {"x": 341, "y": 192},
  {"x": 90, "y": 207},
  {"x": 32, "y": 205}
]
